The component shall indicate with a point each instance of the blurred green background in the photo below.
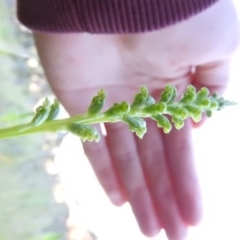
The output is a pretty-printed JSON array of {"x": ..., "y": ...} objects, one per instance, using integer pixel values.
[{"x": 28, "y": 209}]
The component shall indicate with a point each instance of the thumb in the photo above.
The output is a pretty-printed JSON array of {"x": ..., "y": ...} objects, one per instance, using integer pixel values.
[{"x": 212, "y": 75}]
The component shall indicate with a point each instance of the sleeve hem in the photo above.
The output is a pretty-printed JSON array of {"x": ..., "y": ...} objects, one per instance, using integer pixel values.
[{"x": 106, "y": 17}]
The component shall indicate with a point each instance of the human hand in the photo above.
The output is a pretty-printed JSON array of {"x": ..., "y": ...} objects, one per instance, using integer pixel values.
[{"x": 156, "y": 174}]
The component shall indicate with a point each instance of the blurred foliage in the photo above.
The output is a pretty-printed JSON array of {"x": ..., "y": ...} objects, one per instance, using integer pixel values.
[
  {"x": 28, "y": 210},
  {"x": 9, "y": 44}
]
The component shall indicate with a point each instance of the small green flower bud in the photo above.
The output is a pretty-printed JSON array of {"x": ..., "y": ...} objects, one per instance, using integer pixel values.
[
  {"x": 125, "y": 107},
  {"x": 209, "y": 113},
  {"x": 156, "y": 108},
  {"x": 188, "y": 97},
  {"x": 214, "y": 105},
  {"x": 142, "y": 98},
  {"x": 139, "y": 101},
  {"x": 161, "y": 107},
  {"x": 149, "y": 101},
  {"x": 191, "y": 88},
  {"x": 169, "y": 88},
  {"x": 40, "y": 116},
  {"x": 118, "y": 109},
  {"x": 54, "y": 110},
  {"x": 214, "y": 95},
  {"x": 194, "y": 112},
  {"x": 221, "y": 104},
  {"x": 85, "y": 132},
  {"x": 178, "y": 122},
  {"x": 46, "y": 104},
  {"x": 97, "y": 103},
  {"x": 203, "y": 103},
  {"x": 137, "y": 125},
  {"x": 202, "y": 93},
  {"x": 162, "y": 122},
  {"x": 183, "y": 113},
  {"x": 197, "y": 118},
  {"x": 165, "y": 97},
  {"x": 169, "y": 94},
  {"x": 144, "y": 91},
  {"x": 174, "y": 94},
  {"x": 177, "y": 111}
]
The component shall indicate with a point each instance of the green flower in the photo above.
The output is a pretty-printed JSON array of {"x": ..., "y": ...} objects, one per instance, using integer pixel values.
[
  {"x": 203, "y": 103},
  {"x": 178, "y": 122},
  {"x": 136, "y": 124},
  {"x": 192, "y": 104},
  {"x": 85, "y": 132},
  {"x": 97, "y": 102},
  {"x": 118, "y": 110},
  {"x": 156, "y": 108},
  {"x": 194, "y": 112},
  {"x": 177, "y": 111},
  {"x": 214, "y": 105},
  {"x": 188, "y": 97},
  {"x": 162, "y": 122},
  {"x": 191, "y": 88},
  {"x": 42, "y": 113},
  {"x": 169, "y": 94},
  {"x": 142, "y": 98},
  {"x": 54, "y": 110},
  {"x": 203, "y": 93}
]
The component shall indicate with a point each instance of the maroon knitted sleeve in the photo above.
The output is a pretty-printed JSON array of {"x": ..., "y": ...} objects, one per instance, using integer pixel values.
[{"x": 106, "y": 16}]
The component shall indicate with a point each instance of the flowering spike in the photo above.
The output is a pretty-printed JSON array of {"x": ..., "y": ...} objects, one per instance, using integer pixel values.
[{"x": 192, "y": 104}]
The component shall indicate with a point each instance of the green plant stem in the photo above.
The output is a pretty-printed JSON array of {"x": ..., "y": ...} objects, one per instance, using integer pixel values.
[
  {"x": 60, "y": 125},
  {"x": 191, "y": 105}
]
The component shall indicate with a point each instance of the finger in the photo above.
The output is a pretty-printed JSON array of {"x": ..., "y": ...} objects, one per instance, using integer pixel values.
[
  {"x": 214, "y": 76},
  {"x": 125, "y": 157},
  {"x": 180, "y": 164},
  {"x": 101, "y": 163},
  {"x": 153, "y": 161},
  {"x": 77, "y": 102}
]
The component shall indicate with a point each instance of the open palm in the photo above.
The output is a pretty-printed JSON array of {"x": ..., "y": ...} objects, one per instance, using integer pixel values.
[{"x": 156, "y": 175}]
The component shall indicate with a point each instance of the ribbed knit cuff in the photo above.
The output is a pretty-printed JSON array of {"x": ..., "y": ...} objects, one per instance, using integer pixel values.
[{"x": 106, "y": 16}]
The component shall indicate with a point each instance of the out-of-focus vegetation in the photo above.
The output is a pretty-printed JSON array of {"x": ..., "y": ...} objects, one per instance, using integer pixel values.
[{"x": 28, "y": 209}]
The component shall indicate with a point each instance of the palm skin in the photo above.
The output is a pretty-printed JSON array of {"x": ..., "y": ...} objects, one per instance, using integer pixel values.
[{"x": 156, "y": 175}]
